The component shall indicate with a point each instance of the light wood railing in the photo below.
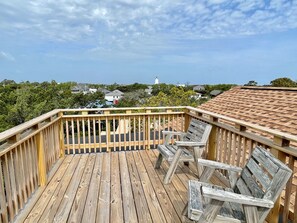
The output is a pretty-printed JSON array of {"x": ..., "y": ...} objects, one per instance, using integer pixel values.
[
  {"x": 29, "y": 151},
  {"x": 27, "y": 154},
  {"x": 118, "y": 129}
]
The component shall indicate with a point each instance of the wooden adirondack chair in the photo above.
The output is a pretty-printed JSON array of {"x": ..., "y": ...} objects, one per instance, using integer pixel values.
[
  {"x": 254, "y": 189},
  {"x": 196, "y": 137}
]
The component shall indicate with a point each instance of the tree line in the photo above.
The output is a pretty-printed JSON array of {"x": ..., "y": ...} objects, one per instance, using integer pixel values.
[{"x": 20, "y": 102}]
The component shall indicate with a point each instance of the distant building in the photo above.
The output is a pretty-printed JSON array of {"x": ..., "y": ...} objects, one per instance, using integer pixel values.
[
  {"x": 76, "y": 90},
  {"x": 114, "y": 96},
  {"x": 156, "y": 80},
  {"x": 197, "y": 96},
  {"x": 82, "y": 88},
  {"x": 149, "y": 90},
  {"x": 214, "y": 93},
  {"x": 92, "y": 90},
  {"x": 199, "y": 88},
  {"x": 103, "y": 90}
]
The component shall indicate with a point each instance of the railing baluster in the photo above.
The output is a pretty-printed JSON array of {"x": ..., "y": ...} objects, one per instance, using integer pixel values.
[
  {"x": 67, "y": 137},
  {"x": 6, "y": 176},
  {"x": 3, "y": 195},
  {"x": 84, "y": 134},
  {"x": 99, "y": 135}
]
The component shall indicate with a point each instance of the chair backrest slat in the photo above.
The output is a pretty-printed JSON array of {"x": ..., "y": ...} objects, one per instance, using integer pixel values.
[
  {"x": 263, "y": 176},
  {"x": 198, "y": 131}
]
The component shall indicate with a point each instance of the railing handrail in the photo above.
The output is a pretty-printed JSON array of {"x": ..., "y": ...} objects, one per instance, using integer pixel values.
[
  {"x": 274, "y": 132},
  {"x": 26, "y": 125},
  {"x": 120, "y": 109},
  {"x": 22, "y": 127}
]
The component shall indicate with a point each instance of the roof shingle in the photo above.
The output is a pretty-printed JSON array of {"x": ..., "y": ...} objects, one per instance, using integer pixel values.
[{"x": 275, "y": 108}]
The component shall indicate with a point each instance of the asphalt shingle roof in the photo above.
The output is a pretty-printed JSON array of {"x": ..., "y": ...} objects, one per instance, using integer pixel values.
[{"x": 275, "y": 108}]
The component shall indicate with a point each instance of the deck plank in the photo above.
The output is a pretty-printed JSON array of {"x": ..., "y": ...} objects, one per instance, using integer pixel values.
[
  {"x": 78, "y": 205},
  {"x": 90, "y": 210},
  {"x": 173, "y": 189},
  {"x": 52, "y": 207},
  {"x": 167, "y": 207},
  {"x": 142, "y": 209},
  {"x": 127, "y": 193},
  {"x": 69, "y": 196},
  {"x": 103, "y": 209},
  {"x": 112, "y": 187},
  {"x": 151, "y": 197},
  {"x": 116, "y": 210},
  {"x": 42, "y": 202}
]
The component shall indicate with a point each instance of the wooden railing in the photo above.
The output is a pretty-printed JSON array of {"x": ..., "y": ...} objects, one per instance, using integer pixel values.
[
  {"x": 27, "y": 154},
  {"x": 29, "y": 151},
  {"x": 119, "y": 129}
]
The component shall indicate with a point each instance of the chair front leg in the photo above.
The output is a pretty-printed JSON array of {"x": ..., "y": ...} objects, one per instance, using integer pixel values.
[
  {"x": 172, "y": 166},
  {"x": 159, "y": 161},
  {"x": 197, "y": 155}
]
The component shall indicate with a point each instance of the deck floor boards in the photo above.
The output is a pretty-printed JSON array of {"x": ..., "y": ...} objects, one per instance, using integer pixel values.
[{"x": 113, "y": 187}]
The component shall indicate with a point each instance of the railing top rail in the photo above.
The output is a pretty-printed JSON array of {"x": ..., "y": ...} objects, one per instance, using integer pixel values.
[
  {"x": 274, "y": 132},
  {"x": 22, "y": 127},
  {"x": 121, "y": 109}
]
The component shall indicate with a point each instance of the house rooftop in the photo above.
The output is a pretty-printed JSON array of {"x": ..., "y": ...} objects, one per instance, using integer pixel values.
[
  {"x": 271, "y": 107},
  {"x": 115, "y": 93}
]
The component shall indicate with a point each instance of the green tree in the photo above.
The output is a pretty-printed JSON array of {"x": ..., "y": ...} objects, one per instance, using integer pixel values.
[
  {"x": 283, "y": 82},
  {"x": 176, "y": 97},
  {"x": 251, "y": 83}
]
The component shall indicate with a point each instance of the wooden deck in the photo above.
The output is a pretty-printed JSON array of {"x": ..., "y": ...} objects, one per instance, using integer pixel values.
[{"x": 110, "y": 187}]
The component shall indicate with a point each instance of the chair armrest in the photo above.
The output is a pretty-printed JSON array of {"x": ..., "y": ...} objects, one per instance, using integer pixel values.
[
  {"x": 218, "y": 165},
  {"x": 188, "y": 143},
  {"x": 228, "y": 196},
  {"x": 169, "y": 134},
  {"x": 173, "y": 133}
]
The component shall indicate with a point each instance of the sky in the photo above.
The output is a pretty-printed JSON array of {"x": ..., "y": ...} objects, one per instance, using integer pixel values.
[{"x": 129, "y": 41}]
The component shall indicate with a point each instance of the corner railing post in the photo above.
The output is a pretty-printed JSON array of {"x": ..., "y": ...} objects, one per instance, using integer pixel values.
[{"x": 212, "y": 142}]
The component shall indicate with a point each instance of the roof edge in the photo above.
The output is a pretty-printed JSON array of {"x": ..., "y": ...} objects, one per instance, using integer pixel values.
[{"x": 269, "y": 88}]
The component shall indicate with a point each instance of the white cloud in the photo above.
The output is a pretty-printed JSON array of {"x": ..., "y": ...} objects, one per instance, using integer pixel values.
[
  {"x": 125, "y": 22},
  {"x": 6, "y": 56}
]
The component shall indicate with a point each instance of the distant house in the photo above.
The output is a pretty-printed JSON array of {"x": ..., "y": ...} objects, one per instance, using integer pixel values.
[
  {"x": 103, "y": 90},
  {"x": 82, "y": 88},
  {"x": 214, "y": 93},
  {"x": 92, "y": 90},
  {"x": 149, "y": 90},
  {"x": 76, "y": 90},
  {"x": 199, "y": 88},
  {"x": 114, "y": 96},
  {"x": 197, "y": 96}
]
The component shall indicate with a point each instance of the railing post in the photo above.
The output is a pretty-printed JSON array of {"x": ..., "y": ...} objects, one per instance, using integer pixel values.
[
  {"x": 212, "y": 142},
  {"x": 274, "y": 213},
  {"x": 61, "y": 136},
  {"x": 41, "y": 159},
  {"x": 147, "y": 129},
  {"x": 187, "y": 119},
  {"x": 107, "y": 130}
]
